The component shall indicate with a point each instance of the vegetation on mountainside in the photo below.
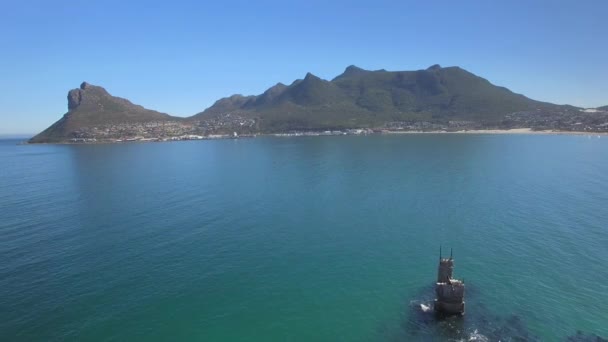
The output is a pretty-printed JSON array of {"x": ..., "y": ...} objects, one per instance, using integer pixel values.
[
  {"x": 357, "y": 98},
  {"x": 90, "y": 106},
  {"x": 362, "y": 98}
]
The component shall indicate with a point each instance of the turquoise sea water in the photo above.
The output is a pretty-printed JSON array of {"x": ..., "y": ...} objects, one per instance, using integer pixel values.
[{"x": 303, "y": 239}]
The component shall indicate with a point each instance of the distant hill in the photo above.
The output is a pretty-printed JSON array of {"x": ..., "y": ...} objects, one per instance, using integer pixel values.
[
  {"x": 90, "y": 106},
  {"x": 364, "y": 98},
  {"x": 604, "y": 108},
  {"x": 430, "y": 99}
]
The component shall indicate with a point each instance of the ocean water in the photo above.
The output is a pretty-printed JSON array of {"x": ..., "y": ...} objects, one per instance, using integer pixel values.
[{"x": 304, "y": 239}]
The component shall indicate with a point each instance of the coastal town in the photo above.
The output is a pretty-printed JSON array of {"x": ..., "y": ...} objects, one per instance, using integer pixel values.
[
  {"x": 234, "y": 125},
  {"x": 223, "y": 126},
  {"x": 565, "y": 120}
]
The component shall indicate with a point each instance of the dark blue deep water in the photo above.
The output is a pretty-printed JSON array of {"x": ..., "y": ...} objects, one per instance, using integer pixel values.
[{"x": 303, "y": 239}]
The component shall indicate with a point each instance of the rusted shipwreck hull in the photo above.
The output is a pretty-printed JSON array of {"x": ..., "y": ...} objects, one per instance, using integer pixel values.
[{"x": 449, "y": 291}]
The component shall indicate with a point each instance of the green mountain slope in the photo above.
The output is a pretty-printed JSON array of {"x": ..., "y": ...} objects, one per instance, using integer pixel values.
[
  {"x": 91, "y": 106},
  {"x": 363, "y": 98},
  {"x": 358, "y": 98}
]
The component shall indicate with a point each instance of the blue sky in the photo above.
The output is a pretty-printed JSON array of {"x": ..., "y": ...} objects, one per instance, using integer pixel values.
[{"x": 180, "y": 56}]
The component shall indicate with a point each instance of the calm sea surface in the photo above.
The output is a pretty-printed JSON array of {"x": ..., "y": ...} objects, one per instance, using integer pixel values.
[{"x": 303, "y": 239}]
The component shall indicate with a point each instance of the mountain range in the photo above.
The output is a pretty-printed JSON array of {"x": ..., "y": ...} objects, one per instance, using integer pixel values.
[{"x": 357, "y": 98}]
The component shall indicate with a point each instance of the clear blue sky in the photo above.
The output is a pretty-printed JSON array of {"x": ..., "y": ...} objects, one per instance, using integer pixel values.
[{"x": 180, "y": 56}]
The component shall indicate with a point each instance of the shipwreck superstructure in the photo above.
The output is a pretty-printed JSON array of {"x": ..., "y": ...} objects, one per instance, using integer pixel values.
[{"x": 449, "y": 291}]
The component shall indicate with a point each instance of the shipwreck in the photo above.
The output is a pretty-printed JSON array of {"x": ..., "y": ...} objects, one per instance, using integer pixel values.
[{"x": 449, "y": 291}]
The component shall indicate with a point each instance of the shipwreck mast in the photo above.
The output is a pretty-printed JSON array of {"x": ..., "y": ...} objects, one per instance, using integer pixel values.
[{"x": 449, "y": 291}]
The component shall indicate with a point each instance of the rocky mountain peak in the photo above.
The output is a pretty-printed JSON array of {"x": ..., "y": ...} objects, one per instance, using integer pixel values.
[
  {"x": 310, "y": 76},
  {"x": 85, "y": 91},
  {"x": 351, "y": 70}
]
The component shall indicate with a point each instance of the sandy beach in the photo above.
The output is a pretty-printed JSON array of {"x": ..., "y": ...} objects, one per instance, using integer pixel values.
[{"x": 498, "y": 131}]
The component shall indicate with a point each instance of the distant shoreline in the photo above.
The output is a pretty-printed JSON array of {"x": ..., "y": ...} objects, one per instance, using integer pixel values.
[
  {"x": 515, "y": 131},
  {"x": 499, "y": 131}
]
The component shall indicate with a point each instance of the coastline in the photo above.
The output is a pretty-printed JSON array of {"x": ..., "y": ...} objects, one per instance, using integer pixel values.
[
  {"x": 515, "y": 131},
  {"x": 500, "y": 131}
]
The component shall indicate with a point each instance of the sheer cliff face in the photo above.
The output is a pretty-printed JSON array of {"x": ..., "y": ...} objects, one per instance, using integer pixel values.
[
  {"x": 75, "y": 97},
  {"x": 90, "y": 106}
]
